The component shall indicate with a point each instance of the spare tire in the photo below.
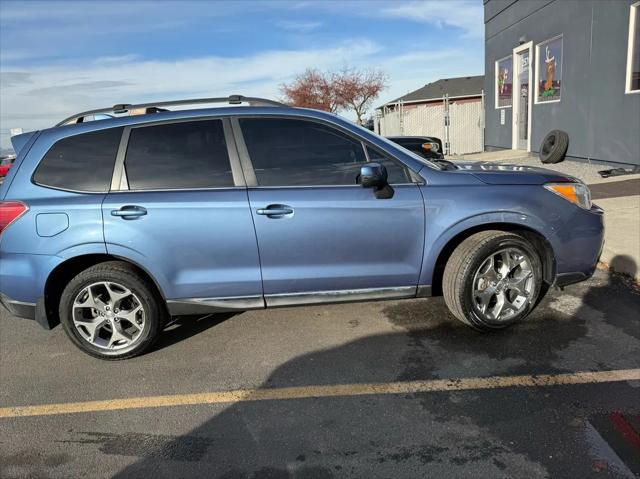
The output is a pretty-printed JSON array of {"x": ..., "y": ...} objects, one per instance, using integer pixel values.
[{"x": 554, "y": 146}]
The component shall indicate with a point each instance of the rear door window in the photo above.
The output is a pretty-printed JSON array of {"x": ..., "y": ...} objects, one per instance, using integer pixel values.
[
  {"x": 183, "y": 155},
  {"x": 80, "y": 162}
]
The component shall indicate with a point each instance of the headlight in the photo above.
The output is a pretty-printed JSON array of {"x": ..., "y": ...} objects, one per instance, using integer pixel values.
[
  {"x": 577, "y": 193},
  {"x": 430, "y": 147}
]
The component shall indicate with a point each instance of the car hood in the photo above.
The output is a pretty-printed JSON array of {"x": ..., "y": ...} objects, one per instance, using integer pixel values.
[{"x": 498, "y": 174}]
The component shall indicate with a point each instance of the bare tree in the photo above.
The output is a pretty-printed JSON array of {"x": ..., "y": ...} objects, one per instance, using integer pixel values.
[
  {"x": 347, "y": 89},
  {"x": 312, "y": 89},
  {"x": 357, "y": 89}
]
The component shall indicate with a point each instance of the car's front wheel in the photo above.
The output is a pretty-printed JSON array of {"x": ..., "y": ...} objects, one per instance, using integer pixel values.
[
  {"x": 492, "y": 280},
  {"x": 111, "y": 312}
]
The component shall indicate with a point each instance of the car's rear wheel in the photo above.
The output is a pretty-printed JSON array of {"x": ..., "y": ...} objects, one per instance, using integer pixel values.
[
  {"x": 492, "y": 280},
  {"x": 111, "y": 312}
]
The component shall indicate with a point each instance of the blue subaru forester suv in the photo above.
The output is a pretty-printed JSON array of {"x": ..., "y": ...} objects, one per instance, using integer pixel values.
[{"x": 111, "y": 227}]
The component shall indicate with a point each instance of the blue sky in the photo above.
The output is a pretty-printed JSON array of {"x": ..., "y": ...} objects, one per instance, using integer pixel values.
[{"x": 57, "y": 58}]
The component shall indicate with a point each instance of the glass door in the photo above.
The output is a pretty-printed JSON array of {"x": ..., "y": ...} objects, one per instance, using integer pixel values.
[{"x": 521, "y": 99}]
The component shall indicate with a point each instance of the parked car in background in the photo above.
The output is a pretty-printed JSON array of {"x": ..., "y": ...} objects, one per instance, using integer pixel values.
[
  {"x": 110, "y": 227},
  {"x": 5, "y": 164},
  {"x": 428, "y": 147}
]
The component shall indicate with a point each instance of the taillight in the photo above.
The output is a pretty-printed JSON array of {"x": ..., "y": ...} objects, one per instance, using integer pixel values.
[{"x": 10, "y": 211}]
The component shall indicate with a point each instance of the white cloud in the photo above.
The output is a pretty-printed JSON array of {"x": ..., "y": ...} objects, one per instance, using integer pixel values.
[
  {"x": 299, "y": 26},
  {"x": 468, "y": 15},
  {"x": 38, "y": 97},
  {"x": 465, "y": 14}
]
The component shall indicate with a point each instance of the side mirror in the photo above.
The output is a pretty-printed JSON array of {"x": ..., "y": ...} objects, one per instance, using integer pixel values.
[{"x": 374, "y": 175}]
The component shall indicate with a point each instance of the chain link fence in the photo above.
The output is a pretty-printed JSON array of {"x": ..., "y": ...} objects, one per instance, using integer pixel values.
[{"x": 459, "y": 123}]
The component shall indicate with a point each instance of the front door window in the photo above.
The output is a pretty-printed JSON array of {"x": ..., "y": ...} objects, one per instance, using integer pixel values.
[{"x": 292, "y": 152}]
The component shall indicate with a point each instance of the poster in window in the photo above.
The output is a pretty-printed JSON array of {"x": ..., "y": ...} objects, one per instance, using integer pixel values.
[
  {"x": 504, "y": 82},
  {"x": 550, "y": 70}
]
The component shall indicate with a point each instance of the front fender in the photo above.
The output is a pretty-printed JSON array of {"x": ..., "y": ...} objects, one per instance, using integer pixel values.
[{"x": 438, "y": 240}]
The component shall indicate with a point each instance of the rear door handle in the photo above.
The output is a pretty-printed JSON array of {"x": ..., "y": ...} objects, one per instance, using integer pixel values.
[
  {"x": 129, "y": 212},
  {"x": 275, "y": 211}
]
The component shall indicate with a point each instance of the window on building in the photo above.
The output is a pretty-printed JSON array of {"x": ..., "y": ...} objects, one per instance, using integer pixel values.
[
  {"x": 549, "y": 70},
  {"x": 504, "y": 82},
  {"x": 633, "y": 51},
  {"x": 181, "y": 155},
  {"x": 80, "y": 162}
]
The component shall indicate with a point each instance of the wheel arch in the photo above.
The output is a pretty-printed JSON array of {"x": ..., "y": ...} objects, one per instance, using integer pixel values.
[
  {"x": 65, "y": 271},
  {"x": 537, "y": 239}
]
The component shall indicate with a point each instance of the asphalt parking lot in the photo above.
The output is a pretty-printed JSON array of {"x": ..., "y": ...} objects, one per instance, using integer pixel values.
[{"x": 389, "y": 389}]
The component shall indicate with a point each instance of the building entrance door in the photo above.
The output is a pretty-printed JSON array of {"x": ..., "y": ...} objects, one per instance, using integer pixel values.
[{"x": 522, "y": 97}]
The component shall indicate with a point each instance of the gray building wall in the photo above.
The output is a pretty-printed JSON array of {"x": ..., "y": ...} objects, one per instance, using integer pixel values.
[{"x": 602, "y": 121}]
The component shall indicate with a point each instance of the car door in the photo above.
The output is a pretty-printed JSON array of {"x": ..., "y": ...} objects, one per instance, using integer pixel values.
[
  {"x": 178, "y": 207},
  {"x": 321, "y": 235}
]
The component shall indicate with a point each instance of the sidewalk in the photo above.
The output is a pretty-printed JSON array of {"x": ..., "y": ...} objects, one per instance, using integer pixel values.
[{"x": 618, "y": 196}]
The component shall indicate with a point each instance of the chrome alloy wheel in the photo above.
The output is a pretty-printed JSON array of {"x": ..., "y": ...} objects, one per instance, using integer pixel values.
[
  {"x": 503, "y": 285},
  {"x": 109, "y": 316}
]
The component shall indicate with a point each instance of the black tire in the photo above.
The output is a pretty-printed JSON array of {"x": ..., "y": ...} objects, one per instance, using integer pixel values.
[
  {"x": 554, "y": 147},
  {"x": 466, "y": 259},
  {"x": 121, "y": 273}
]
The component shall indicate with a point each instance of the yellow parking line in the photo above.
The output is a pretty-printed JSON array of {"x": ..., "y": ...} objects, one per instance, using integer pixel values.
[{"x": 323, "y": 391}]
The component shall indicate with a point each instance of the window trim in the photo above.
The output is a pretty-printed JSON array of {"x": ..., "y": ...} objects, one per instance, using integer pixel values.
[
  {"x": 119, "y": 180},
  {"x": 538, "y": 71},
  {"x": 633, "y": 28},
  {"x": 247, "y": 164},
  {"x": 495, "y": 83}
]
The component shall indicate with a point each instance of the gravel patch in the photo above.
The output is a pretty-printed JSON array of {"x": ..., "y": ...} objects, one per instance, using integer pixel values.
[{"x": 583, "y": 170}]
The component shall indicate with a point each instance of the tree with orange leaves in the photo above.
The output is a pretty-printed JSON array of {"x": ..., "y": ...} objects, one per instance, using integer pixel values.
[
  {"x": 312, "y": 89},
  {"x": 348, "y": 89},
  {"x": 357, "y": 89}
]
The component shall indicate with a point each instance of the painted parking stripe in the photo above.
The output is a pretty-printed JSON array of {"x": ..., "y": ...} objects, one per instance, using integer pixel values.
[{"x": 324, "y": 391}]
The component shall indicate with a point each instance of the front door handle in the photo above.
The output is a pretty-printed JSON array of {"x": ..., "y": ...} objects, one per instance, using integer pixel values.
[
  {"x": 129, "y": 212},
  {"x": 275, "y": 211}
]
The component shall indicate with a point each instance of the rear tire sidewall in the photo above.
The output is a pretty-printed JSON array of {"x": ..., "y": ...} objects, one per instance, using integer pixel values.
[
  {"x": 479, "y": 257},
  {"x": 146, "y": 296}
]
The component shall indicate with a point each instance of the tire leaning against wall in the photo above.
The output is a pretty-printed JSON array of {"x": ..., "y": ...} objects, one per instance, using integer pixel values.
[{"x": 554, "y": 146}]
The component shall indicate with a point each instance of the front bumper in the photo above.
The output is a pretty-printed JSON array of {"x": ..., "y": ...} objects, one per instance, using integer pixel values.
[{"x": 583, "y": 248}]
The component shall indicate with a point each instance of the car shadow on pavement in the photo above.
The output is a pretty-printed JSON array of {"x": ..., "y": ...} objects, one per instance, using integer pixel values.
[
  {"x": 180, "y": 328},
  {"x": 603, "y": 296},
  {"x": 513, "y": 432}
]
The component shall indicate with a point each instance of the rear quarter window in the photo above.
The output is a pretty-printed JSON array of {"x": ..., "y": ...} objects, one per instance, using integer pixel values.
[{"x": 80, "y": 162}]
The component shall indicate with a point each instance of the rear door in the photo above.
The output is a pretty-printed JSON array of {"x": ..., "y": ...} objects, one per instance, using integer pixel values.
[
  {"x": 178, "y": 207},
  {"x": 322, "y": 236}
]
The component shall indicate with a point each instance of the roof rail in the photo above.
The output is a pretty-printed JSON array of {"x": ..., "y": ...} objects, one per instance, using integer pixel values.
[{"x": 157, "y": 106}]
